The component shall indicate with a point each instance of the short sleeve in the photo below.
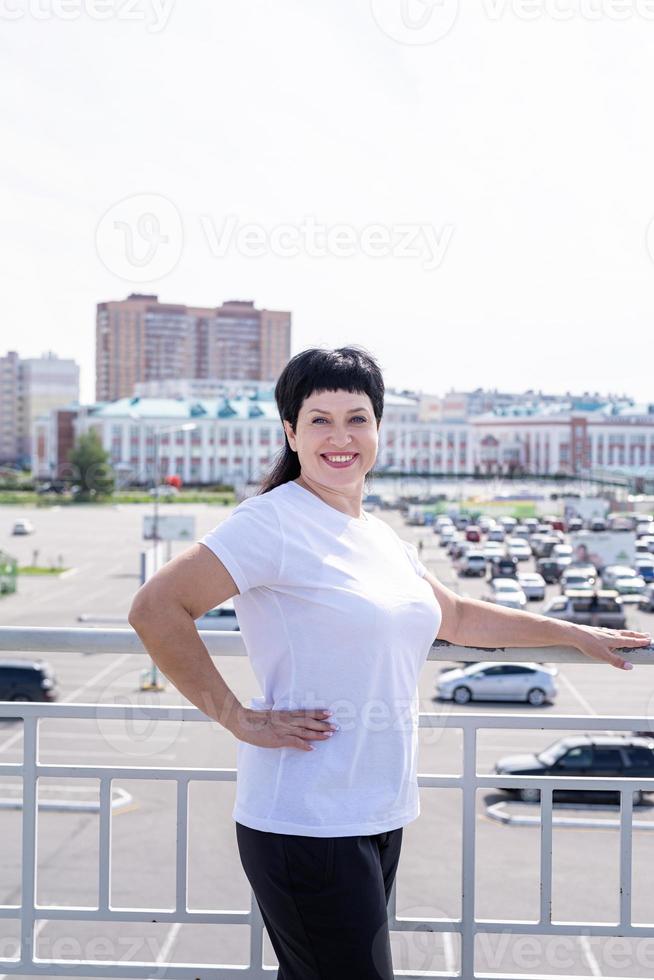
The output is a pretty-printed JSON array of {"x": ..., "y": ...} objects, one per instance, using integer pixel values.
[
  {"x": 412, "y": 553},
  {"x": 249, "y": 543}
]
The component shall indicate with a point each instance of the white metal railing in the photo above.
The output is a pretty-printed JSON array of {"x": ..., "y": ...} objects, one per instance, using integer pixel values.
[{"x": 468, "y": 782}]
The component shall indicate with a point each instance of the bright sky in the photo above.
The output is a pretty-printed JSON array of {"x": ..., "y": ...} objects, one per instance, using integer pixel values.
[{"x": 507, "y": 147}]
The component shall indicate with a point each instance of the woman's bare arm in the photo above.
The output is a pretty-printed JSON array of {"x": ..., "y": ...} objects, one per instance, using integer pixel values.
[
  {"x": 163, "y": 613},
  {"x": 475, "y": 623}
]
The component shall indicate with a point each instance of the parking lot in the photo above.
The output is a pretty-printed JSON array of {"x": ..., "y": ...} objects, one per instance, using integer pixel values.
[{"x": 101, "y": 547}]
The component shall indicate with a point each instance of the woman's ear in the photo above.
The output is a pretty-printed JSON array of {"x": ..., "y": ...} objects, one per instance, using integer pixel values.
[{"x": 288, "y": 429}]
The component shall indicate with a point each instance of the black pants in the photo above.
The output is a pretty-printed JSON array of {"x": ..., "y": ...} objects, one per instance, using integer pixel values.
[{"x": 324, "y": 901}]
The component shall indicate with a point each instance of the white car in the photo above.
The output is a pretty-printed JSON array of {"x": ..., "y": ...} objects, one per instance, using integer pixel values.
[
  {"x": 490, "y": 548},
  {"x": 22, "y": 526},
  {"x": 518, "y": 548},
  {"x": 532, "y": 584},
  {"x": 222, "y": 617},
  {"x": 562, "y": 555},
  {"x": 486, "y": 681},
  {"x": 507, "y": 592}
]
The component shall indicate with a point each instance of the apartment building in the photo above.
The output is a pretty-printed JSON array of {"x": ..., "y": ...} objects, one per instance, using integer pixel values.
[
  {"x": 141, "y": 340},
  {"x": 30, "y": 388}
]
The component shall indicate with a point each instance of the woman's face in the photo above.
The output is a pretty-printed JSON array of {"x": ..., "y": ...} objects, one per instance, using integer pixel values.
[{"x": 336, "y": 438}]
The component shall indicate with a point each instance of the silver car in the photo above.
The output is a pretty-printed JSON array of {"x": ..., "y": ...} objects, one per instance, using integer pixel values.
[
  {"x": 507, "y": 592},
  {"x": 222, "y": 617},
  {"x": 532, "y": 584},
  {"x": 487, "y": 681}
]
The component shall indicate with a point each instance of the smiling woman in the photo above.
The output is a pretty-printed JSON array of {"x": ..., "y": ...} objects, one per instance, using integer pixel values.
[{"x": 337, "y": 615}]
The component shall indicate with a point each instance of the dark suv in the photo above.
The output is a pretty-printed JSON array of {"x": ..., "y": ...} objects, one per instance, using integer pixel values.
[
  {"x": 27, "y": 680},
  {"x": 503, "y": 566},
  {"x": 583, "y": 755}
]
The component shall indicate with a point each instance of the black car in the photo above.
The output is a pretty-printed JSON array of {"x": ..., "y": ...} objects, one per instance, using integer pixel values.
[
  {"x": 549, "y": 569},
  {"x": 583, "y": 755},
  {"x": 503, "y": 566},
  {"x": 27, "y": 680}
]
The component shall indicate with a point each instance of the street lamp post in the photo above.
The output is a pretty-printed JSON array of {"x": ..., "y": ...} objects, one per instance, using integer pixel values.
[{"x": 150, "y": 678}]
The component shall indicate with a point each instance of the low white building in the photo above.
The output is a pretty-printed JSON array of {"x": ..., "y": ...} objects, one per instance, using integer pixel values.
[{"x": 235, "y": 439}]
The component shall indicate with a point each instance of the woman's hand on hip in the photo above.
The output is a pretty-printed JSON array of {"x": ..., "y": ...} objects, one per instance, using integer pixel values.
[{"x": 283, "y": 729}]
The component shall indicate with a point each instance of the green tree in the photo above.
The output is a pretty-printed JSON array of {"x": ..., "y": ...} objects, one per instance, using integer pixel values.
[{"x": 94, "y": 475}]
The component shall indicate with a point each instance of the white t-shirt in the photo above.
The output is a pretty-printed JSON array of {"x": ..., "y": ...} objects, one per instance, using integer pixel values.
[{"x": 335, "y": 614}]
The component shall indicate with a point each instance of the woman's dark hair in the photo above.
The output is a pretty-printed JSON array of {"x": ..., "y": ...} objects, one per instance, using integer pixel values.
[{"x": 310, "y": 372}]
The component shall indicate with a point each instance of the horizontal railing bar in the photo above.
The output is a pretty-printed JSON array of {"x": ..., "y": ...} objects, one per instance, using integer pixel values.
[
  {"x": 133, "y": 970},
  {"x": 229, "y": 643},
  {"x": 72, "y": 913},
  {"x": 591, "y": 783},
  {"x": 428, "y": 719}
]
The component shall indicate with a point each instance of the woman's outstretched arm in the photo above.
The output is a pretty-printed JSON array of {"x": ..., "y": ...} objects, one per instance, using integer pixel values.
[{"x": 475, "y": 623}]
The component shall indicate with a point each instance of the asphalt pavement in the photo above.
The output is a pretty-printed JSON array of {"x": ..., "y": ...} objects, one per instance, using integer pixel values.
[{"x": 101, "y": 547}]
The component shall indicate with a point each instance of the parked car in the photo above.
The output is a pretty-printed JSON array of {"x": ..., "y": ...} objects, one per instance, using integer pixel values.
[
  {"x": 519, "y": 548},
  {"x": 645, "y": 568},
  {"x": 496, "y": 534},
  {"x": 542, "y": 546},
  {"x": 487, "y": 681},
  {"x": 446, "y": 532},
  {"x": 562, "y": 553},
  {"x": 549, "y": 569},
  {"x": 486, "y": 523},
  {"x": 597, "y": 524},
  {"x": 521, "y": 531},
  {"x": 508, "y": 523},
  {"x": 27, "y": 680},
  {"x": 491, "y": 549},
  {"x": 22, "y": 526},
  {"x": 576, "y": 579},
  {"x": 473, "y": 533},
  {"x": 604, "y": 608},
  {"x": 646, "y": 599},
  {"x": 630, "y": 587},
  {"x": 472, "y": 563},
  {"x": 507, "y": 592},
  {"x": 611, "y": 574},
  {"x": 503, "y": 566},
  {"x": 165, "y": 490},
  {"x": 583, "y": 755},
  {"x": 575, "y": 524},
  {"x": 222, "y": 617},
  {"x": 532, "y": 584}
]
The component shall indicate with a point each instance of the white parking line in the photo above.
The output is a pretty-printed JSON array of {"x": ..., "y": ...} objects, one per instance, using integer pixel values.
[
  {"x": 589, "y": 956},
  {"x": 449, "y": 955},
  {"x": 168, "y": 942}
]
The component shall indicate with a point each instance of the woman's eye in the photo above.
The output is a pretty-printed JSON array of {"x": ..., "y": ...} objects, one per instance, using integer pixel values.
[{"x": 359, "y": 418}]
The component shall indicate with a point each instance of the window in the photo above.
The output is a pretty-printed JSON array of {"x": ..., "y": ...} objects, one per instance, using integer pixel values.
[
  {"x": 577, "y": 758},
  {"x": 640, "y": 757},
  {"x": 607, "y": 758}
]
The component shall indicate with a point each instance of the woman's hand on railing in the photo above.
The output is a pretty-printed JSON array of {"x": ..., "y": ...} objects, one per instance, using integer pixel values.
[
  {"x": 282, "y": 729},
  {"x": 600, "y": 643}
]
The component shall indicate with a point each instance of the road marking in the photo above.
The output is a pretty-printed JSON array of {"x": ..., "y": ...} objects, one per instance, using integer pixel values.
[
  {"x": 449, "y": 954},
  {"x": 589, "y": 956},
  {"x": 586, "y": 705},
  {"x": 168, "y": 942}
]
